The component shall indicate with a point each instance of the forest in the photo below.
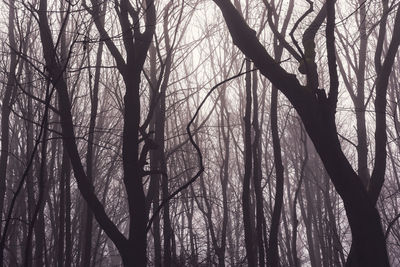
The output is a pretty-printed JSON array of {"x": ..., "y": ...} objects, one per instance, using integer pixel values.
[{"x": 199, "y": 133}]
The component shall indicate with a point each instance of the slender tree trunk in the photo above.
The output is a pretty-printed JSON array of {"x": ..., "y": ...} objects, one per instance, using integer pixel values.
[
  {"x": 257, "y": 175},
  {"x": 68, "y": 228},
  {"x": 5, "y": 113},
  {"x": 273, "y": 253},
  {"x": 37, "y": 222},
  {"x": 90, "y": 163},
  {"x": 224, "y": 176},
  {"x": 62, "y": 213},
  {"x": 29, "y": 151},
  {"x": 309, "y": 232},
  {"x": 61, "y": 227},
  {"x": 154, "y": 187},
  {"x": 337, "y": 246},
  {"x": 246, "y": 195}
]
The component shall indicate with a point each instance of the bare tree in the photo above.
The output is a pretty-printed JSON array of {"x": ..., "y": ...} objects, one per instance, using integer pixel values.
[{"x": 317, "y": 110}]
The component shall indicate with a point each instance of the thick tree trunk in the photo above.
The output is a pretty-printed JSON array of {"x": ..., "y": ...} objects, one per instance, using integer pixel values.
[
  {"x": 317, "y": 113},
  {"x": 136, "y": 245},
  {"x": 363, "y": 217}
]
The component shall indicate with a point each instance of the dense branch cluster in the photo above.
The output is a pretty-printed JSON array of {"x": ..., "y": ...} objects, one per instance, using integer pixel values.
[{"x": 200, "y": 133}]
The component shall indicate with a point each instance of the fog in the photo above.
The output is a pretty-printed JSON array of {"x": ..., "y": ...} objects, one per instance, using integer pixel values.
[{"x": 199, "y": 133}]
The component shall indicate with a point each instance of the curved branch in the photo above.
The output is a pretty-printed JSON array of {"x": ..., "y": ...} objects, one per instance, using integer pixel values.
[
  {"x": 309, "y": 10},
  {"x": 197, "y": 148}
]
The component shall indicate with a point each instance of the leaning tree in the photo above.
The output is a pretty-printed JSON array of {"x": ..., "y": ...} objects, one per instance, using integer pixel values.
[{"x": 317, "y": 108}]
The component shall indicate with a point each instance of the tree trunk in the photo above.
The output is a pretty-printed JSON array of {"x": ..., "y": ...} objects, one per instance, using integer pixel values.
[
  {"x": 257, "y": 176},
  {"x": 68, "y": 232},
  {"x": 5, "y": 113},
  {"x": 154, "y": 187},
  {"x": 246, "y": 195},
  {"x": 318, "y": 115},
  {"x": 273, "y": 253},
  {"x": 90, "y": 163}
]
